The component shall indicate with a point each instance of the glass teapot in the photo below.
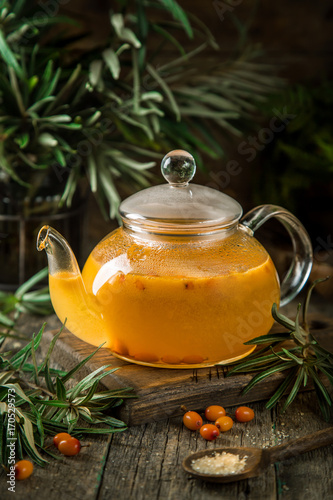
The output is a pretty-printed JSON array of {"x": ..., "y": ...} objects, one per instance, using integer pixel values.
[{"x": 183, "y": 283}]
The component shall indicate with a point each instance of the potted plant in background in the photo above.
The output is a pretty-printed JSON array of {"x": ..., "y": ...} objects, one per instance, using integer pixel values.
[{"x": 100, "y": 123}]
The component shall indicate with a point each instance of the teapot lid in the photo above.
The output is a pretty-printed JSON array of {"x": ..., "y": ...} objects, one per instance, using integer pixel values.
[{"x": 179, "y": 206}]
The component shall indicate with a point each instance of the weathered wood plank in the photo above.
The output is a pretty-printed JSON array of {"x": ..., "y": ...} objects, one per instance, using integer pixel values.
[
  {"x": 144, "y": 463},
  {"x": 68, "y": 478},
  {"x": 309, "y": 475},
  {"x": 151, "y": 468}
]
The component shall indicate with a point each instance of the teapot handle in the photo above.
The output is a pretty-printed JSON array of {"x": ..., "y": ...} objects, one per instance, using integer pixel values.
[{"x": 301, "y": 265}]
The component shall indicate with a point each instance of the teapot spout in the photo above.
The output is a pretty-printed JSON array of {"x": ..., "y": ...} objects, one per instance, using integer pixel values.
[
  {"x": 72, "y": 304},
  {"x": 60, "y": 256}
]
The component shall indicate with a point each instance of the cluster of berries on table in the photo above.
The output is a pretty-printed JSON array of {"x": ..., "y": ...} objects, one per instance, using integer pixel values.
[
  {"x": 217, "y": 414},
  {"x": 66, "y": 444}
]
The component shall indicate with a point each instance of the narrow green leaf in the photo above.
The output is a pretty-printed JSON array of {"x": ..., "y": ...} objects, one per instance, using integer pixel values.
[
  {"x": 323, "y": 404},
  {"x": 93, "y": 119},
  {"x": 326, "y": 372},
  {"x": 281, "y": 389},
  {"x": 299, "y": 333},
  {"x": 50, "y": 349},
  {"x": 308, "y": 297},
  {"x": 60, "y": 390},
  {"x": 28, "y": 436},
  {"x": 66, "y": 89},
  {"x": 60, "y": 157},
  {"x": 266, "y": 339},
  {"x": 8, "y": 56},
  {"x": 72, "y": 418},
  {"x": 178, "y": 14},
  {"x": 39, "y": 424},
  {"x": 31, "y": 282},
  {"x": 48, "y": 379},
  {"x": 5, "y": 376},
  {"x": 137, "y": 124},
  {"x": 112, "y": 62},
  {"x": 270, "y": 358},
  {"x": 17, "y": 92},
  {"x": 168, "y": 36},
  {"x": 260, "y": 376},
  {"x": 92, "y": 171},
  {"x": 90, "y": 393},
  {"x": 283, "y": 320},
  {"x": 18, "y": 391},
  {"x": 95, "y": 73},
  {"x": 166, "y": 89},
  {"x": 320, "y": 385},
  {"x": 295, "y": 389},
  {"x": 54, "y": 402},
  {"x": 79, "y": 365},
  {"x": 136, "y": 80},
  {"x": 33, "y": 357},
  {"x": 16, "y": 360},
  {"x": 57, "y": 119},
  {"x": 48, "y": 140},
  {"x": 22, "y": 140},
  {"x": 70, "y": 187},
  {"x": 123, "y": 33},
  {"x": 290, "y": 355},
  {"x": 87, "y": 381},
  {"x": 6, "y": 321}
]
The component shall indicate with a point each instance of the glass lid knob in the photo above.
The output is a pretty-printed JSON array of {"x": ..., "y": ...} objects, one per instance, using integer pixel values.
[{"x": 178, "y": 168}]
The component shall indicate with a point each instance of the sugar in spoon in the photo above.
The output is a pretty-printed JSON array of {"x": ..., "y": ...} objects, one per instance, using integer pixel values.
[{"x": 259, "y": 459}]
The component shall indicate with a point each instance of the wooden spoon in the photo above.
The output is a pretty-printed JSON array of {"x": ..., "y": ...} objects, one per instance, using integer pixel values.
[{"x": 259, "y": 459}]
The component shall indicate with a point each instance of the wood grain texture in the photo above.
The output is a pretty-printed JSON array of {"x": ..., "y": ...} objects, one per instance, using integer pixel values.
[
  {"x": 161, "y": 392},
  {"x": 309, "y": 475},
  {"x": 144, "y": 462}
]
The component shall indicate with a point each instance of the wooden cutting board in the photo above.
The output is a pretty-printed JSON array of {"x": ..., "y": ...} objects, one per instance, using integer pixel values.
[{"x": 161, "y": 392}]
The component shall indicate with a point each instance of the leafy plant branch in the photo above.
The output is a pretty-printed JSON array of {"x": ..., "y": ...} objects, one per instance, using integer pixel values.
[
  {"x": 305, "y": 362},
  {"x": 45, "y": 405}
]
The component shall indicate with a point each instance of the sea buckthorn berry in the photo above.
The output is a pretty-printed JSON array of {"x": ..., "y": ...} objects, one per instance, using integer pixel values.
[
  {"x": 69, "y": 447},
  {"x": 23, "y": 469},
  {"x": 60, "y": 437},
  {"x": 193, "y": 360},
  {"x": 224, "y": 423},
  {"x": 209, "y": 432},
  {"x": 192, "y": 420},
  {"x": 244, "y": 414},
  {"x": 213, "y": 412}
]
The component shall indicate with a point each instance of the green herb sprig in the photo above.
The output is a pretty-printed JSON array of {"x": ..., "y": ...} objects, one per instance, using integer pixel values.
[
  {"x": 25, "y": 300},
  {"x": 305, "y": 362},
  {"x": 45, "y": 406}
]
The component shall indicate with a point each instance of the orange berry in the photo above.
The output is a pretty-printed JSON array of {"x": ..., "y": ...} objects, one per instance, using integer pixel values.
[
  {"x": 213, "y": 412},
  {"x": 209, "y": 432},
  {"x": 192, "y": 420},
  {"x": 60, "y": 437},
  {"x": 244, "y": 414},
  {"x": 69, "y": 447},
  {"x": 224, "y": 423},
  {"x": 193, "y": 360},
  {"x": 23, "y": 469}
]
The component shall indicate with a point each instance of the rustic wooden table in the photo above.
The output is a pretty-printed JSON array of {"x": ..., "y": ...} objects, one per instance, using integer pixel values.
[{"x": 144, "y": 462}]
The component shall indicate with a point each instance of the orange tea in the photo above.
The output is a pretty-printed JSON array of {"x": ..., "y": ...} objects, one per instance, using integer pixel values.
[{"x": 171, "y": 320}]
